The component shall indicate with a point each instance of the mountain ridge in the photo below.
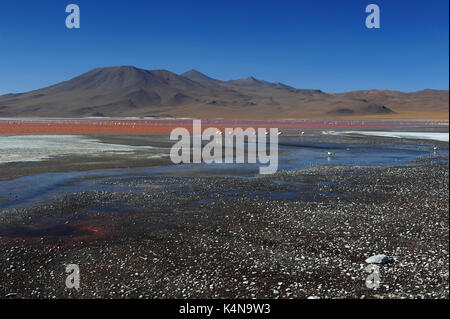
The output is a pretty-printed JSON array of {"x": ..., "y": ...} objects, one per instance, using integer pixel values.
[{"x": 130, "y": 91}]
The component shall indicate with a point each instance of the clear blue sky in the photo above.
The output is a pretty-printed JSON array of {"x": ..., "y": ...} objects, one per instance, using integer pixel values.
[{"x": 320, "y": 44}]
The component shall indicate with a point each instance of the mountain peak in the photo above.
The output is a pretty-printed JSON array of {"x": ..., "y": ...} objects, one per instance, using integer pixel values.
[
  {"x": 199, "y": 77},
  {"x": 113, "y": 79},
  {"x": 131, "y": 91},
  {"x": 192, "y": 71},
  {"x": 253, "y": 82}
]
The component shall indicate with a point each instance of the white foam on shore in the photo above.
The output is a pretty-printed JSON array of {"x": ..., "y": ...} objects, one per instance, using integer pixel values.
[
  {"x": 33, "y": 148},
  {"x": 442, "y": 137}
]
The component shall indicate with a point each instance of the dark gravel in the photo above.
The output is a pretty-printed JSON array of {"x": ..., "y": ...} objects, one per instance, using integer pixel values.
[{"x": 292, "y": 235}]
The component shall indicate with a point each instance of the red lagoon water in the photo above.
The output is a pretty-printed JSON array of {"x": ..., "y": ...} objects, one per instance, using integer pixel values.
[{"x": 155, "y": 127}]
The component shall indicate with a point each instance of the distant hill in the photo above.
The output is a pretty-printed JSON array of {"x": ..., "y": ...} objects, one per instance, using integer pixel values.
[
  {"x": 128, "y": 91},
  {"x": 198, "y": 77},
  {"x": 421, "y": 103},
  {"x": 252, "y": 82}
]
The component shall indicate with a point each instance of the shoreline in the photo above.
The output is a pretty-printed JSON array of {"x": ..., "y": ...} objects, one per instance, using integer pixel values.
[
  {"x": 123, "y": 126},
  {"x": 153, "y": 150}
]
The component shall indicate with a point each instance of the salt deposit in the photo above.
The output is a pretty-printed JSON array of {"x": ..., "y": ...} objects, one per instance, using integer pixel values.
[
  {"x": 32, "y": 148},
  {"x": 443, "y": 137}
]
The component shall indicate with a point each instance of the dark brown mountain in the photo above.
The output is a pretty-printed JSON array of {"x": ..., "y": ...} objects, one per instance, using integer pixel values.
[{"x": 129, "y": 91}]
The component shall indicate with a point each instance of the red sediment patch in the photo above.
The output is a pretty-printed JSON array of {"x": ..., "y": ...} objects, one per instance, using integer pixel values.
[
  {"x": 62, "y": 234},
  {"x": 159, "y": 127}
]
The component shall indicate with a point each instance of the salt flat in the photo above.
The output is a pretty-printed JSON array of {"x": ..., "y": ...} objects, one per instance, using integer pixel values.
[{"x": 33, "y": 148}]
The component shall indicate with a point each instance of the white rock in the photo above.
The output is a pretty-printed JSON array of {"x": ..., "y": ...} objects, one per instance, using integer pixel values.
[
  {"x": 377, "y": 259},
  {"x": 313, "y": 297}
]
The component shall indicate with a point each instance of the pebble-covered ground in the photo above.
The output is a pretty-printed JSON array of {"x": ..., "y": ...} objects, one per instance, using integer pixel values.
[{"x": 296, "y": 234}]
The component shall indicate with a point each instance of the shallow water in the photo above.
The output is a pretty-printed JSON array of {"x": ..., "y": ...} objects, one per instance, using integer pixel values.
[{"x": 295, "y": 154}]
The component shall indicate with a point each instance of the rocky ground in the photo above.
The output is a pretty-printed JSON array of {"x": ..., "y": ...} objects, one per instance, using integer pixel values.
[{"x": 292, "y": 235}]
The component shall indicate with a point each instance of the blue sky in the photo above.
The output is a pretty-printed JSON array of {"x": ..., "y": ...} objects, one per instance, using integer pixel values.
[{"x": 317, "y": 44}]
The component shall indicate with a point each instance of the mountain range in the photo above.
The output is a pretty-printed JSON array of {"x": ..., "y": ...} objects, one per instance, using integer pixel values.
[{"x": 127, "y": 91}]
